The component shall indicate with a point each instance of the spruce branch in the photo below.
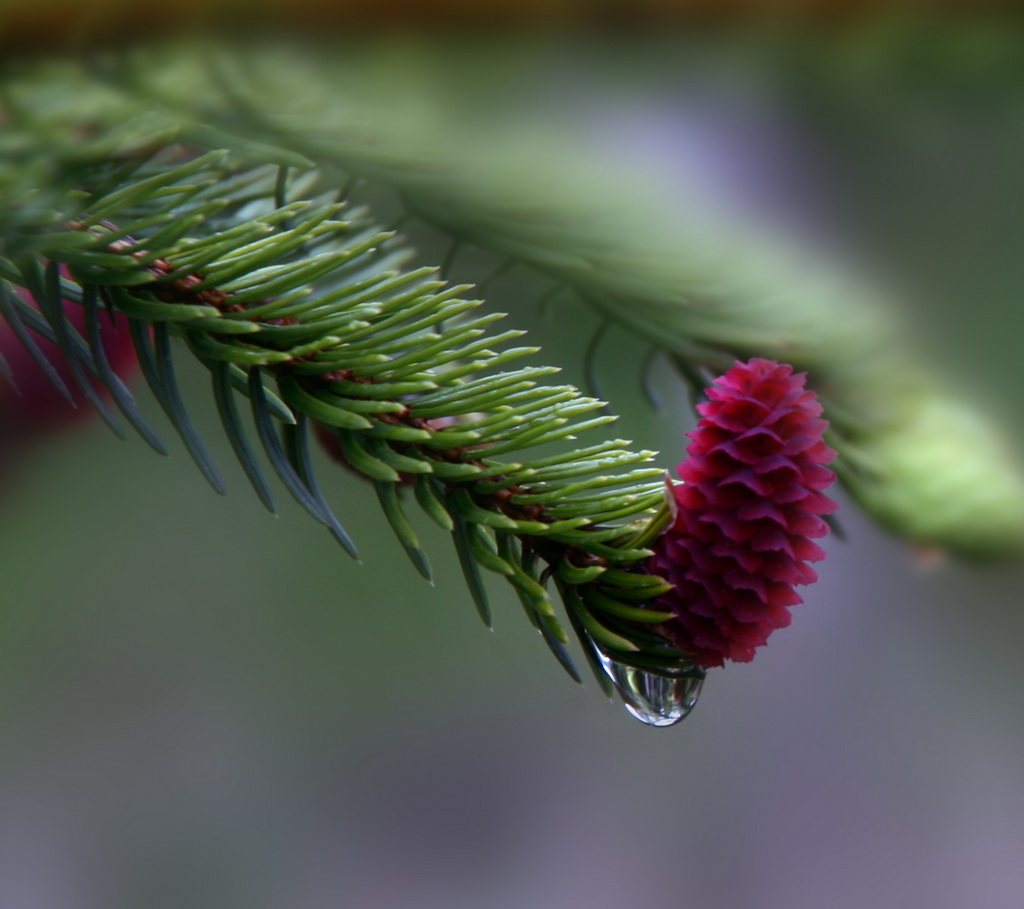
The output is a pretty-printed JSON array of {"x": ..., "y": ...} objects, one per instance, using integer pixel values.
[{"x": 300, "y": 305}]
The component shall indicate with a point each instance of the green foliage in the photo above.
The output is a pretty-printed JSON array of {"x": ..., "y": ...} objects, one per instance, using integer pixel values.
[{"x": 308, "y": 309}]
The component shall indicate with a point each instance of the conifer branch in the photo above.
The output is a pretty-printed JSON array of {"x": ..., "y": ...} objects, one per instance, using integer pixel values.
[{"x": 394, "y": 368}]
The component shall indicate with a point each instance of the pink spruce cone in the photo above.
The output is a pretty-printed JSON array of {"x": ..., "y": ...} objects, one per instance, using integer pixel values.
[{"x": 746, "y": 514}]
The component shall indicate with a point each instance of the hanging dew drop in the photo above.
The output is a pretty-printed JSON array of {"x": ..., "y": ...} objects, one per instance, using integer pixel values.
[
  {"x": 660, "y": 701},
  {"x": 656, "y": 700}
]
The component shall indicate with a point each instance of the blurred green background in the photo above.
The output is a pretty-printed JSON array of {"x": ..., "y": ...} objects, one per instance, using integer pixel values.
[{"x": 206, "y": 706}]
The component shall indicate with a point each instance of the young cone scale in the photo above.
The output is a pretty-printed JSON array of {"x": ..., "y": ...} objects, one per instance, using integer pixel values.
[{"x": 746, "y": 513}]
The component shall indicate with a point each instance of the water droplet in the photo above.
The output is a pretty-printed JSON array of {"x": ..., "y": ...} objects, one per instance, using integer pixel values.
[{"x": 656, "y": 700}]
